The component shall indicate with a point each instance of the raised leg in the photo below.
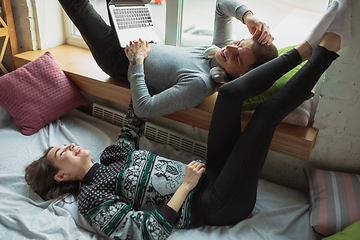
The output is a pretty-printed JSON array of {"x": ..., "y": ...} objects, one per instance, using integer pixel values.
[{"x": 100, "y": 37}]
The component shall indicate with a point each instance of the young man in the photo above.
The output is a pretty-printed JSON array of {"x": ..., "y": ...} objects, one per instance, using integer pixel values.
[{"x": 179, "y": 77}]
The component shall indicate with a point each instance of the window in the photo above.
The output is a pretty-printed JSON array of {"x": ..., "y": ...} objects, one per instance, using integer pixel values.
[
  {"x": 198, "y": 21},
  {"x": 191, "y": 22},
  {"x": 158, "y": 9},
  {"x": 290, "y": 21}
]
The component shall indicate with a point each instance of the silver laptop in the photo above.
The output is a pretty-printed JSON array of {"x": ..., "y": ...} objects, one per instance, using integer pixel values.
[{"x": 132, "y": 20}]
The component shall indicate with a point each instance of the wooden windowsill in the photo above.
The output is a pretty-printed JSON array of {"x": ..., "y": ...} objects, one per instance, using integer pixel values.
[{"x": 79, "y": 65}]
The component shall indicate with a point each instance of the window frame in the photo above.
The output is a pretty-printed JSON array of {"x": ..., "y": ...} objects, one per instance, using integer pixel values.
[
  {"x": 70, "y": 37},
  {"x": 173, "y": 30},
  {"x": 173, "y": 26}
]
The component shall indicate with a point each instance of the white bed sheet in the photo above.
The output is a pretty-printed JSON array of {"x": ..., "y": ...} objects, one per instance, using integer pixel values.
[{"x": 280, "y": 213}]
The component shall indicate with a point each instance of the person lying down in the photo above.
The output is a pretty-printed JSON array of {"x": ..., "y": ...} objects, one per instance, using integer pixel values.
[{"x": 135, "y": 194}]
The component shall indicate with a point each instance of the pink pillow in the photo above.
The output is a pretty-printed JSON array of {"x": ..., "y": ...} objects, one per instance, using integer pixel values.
[
  {"x": 300, "y": 116},
  {"x": 334, "y": 200},
  {"x": 38, "y": 93}
]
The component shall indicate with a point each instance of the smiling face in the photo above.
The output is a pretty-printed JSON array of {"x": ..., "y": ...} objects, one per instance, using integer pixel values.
[
  {"x": 236, "y": 58},
  {"x": 73, "y": 162}
]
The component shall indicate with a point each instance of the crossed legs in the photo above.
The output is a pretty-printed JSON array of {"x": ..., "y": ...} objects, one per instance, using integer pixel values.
[{"x": 235, "y": 158}]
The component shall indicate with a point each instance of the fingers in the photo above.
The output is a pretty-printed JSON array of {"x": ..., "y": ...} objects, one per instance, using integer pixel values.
[
  {"x": 263, "y": 35},
  {"x": 140, "y": 48},
  {"x": 193, "y": 173},
  {"x": 197, "y": 166},
  {"x": 257, "y": 32},
  {"x": 137, "y": 42}
]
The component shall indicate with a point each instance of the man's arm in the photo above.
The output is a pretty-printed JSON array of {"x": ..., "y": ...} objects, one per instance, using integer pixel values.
[
  {"x": 225, "y": 11},
  {"x": 185, "y": 94},
  {"x": 258, "y": 29}
]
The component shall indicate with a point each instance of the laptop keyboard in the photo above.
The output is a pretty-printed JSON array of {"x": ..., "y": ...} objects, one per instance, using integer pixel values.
[{"x": 133, "y": 18}]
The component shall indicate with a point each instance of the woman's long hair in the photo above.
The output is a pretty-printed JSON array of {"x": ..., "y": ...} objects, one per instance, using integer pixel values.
[{"x": 40, "y": 177}]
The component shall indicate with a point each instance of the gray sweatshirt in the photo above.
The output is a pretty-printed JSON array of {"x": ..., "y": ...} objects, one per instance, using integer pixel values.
[{"x": 179, "y": 76}]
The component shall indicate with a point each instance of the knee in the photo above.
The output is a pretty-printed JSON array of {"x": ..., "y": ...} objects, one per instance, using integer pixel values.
[
  {"x": 228, "y": 91},
  {"x": 270, "y": 111}
]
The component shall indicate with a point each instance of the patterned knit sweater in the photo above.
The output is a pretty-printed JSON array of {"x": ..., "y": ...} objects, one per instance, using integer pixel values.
[{"x": 125, "y": 197}]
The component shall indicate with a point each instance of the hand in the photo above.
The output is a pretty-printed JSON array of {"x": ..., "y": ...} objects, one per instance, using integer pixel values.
[
  {"x": 258, "y": 29},
  {"x": 193, "y": 172},
  {"x": 137, "y": 51}
]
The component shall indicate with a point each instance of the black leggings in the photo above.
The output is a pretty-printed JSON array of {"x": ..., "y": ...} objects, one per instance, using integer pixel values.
[
  {"x": 101, "y": 38},
  {"x": 227, "y": 193}
]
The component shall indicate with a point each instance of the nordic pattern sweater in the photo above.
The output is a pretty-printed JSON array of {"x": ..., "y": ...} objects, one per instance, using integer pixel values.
[{"x": 125, "y": 196}]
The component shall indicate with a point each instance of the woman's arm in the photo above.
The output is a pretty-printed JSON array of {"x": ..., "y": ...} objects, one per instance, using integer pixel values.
[
  {"x": 128, "y": 139},
  {"x": 193, "y": 172},
  {"x": 115, "y": 218}
]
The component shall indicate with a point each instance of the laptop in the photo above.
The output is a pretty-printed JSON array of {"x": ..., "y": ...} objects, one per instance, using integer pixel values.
[{"x": 132, "y": 20}]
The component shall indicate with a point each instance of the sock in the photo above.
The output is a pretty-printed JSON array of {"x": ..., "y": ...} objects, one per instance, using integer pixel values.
[
  {"x": 321, "y": 28},
  {"x": 342, "y": 22}
]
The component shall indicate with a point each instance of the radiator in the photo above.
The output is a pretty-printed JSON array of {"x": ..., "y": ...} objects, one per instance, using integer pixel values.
[{"x": 154, "y": 132}]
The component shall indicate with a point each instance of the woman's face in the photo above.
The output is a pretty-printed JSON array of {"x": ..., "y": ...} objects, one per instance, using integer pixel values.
[
  {"x": 236, "y": 57},
  {"x": 72, "y": 161}
]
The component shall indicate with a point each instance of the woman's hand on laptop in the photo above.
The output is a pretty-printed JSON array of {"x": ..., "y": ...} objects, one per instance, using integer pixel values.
[{"x": 137, "y": 51}]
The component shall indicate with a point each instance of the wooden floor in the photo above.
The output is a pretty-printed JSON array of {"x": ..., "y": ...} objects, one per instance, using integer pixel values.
[{"x": 78, "y": 64}]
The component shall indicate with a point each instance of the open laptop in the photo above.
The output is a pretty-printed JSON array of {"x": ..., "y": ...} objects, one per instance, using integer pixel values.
[{"x": 132, "y": 20}]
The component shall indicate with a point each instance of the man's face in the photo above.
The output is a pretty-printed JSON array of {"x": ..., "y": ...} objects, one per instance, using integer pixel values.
[{"x": 236, "y": 57}]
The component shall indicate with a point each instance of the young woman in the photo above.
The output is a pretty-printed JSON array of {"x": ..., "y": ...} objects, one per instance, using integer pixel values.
[
  {"x": 135, "y": 194},
  {"x": 179, "y": 77}
]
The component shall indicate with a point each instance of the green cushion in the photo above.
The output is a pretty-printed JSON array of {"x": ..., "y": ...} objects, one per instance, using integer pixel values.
[
  {"x": 252, "y": 103},
  {"x": 352, "y": 232}
]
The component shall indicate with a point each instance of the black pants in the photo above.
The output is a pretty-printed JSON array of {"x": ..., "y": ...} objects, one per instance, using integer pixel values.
[
  {"x": 101, "y": 38},
  {"x": 227, "y": 193}
]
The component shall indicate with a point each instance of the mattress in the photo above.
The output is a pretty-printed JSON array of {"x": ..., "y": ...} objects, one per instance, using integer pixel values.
[{"x": 280, "y": 212}]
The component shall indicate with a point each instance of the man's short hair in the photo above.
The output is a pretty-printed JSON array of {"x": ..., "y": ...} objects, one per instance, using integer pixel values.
[{"x": 263, "y": 53}]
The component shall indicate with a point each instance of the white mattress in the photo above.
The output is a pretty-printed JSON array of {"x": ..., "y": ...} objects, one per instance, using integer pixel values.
[{"x": 280, "y": 213}]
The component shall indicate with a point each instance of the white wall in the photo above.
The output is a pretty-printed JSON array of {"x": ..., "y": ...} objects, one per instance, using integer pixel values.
[
  {"x": 34, "y": 18},
  {"x": 338, "y": 111},
  {"x": 337, "y": 117},
  {"x": 24, "y": 24}
]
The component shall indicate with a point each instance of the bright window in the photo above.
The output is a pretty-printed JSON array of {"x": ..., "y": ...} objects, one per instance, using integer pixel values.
[
  {"x": 190, "y": 23},
  {"x": 158, "y": 9},
  {"x": 290, "y": 20}
]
